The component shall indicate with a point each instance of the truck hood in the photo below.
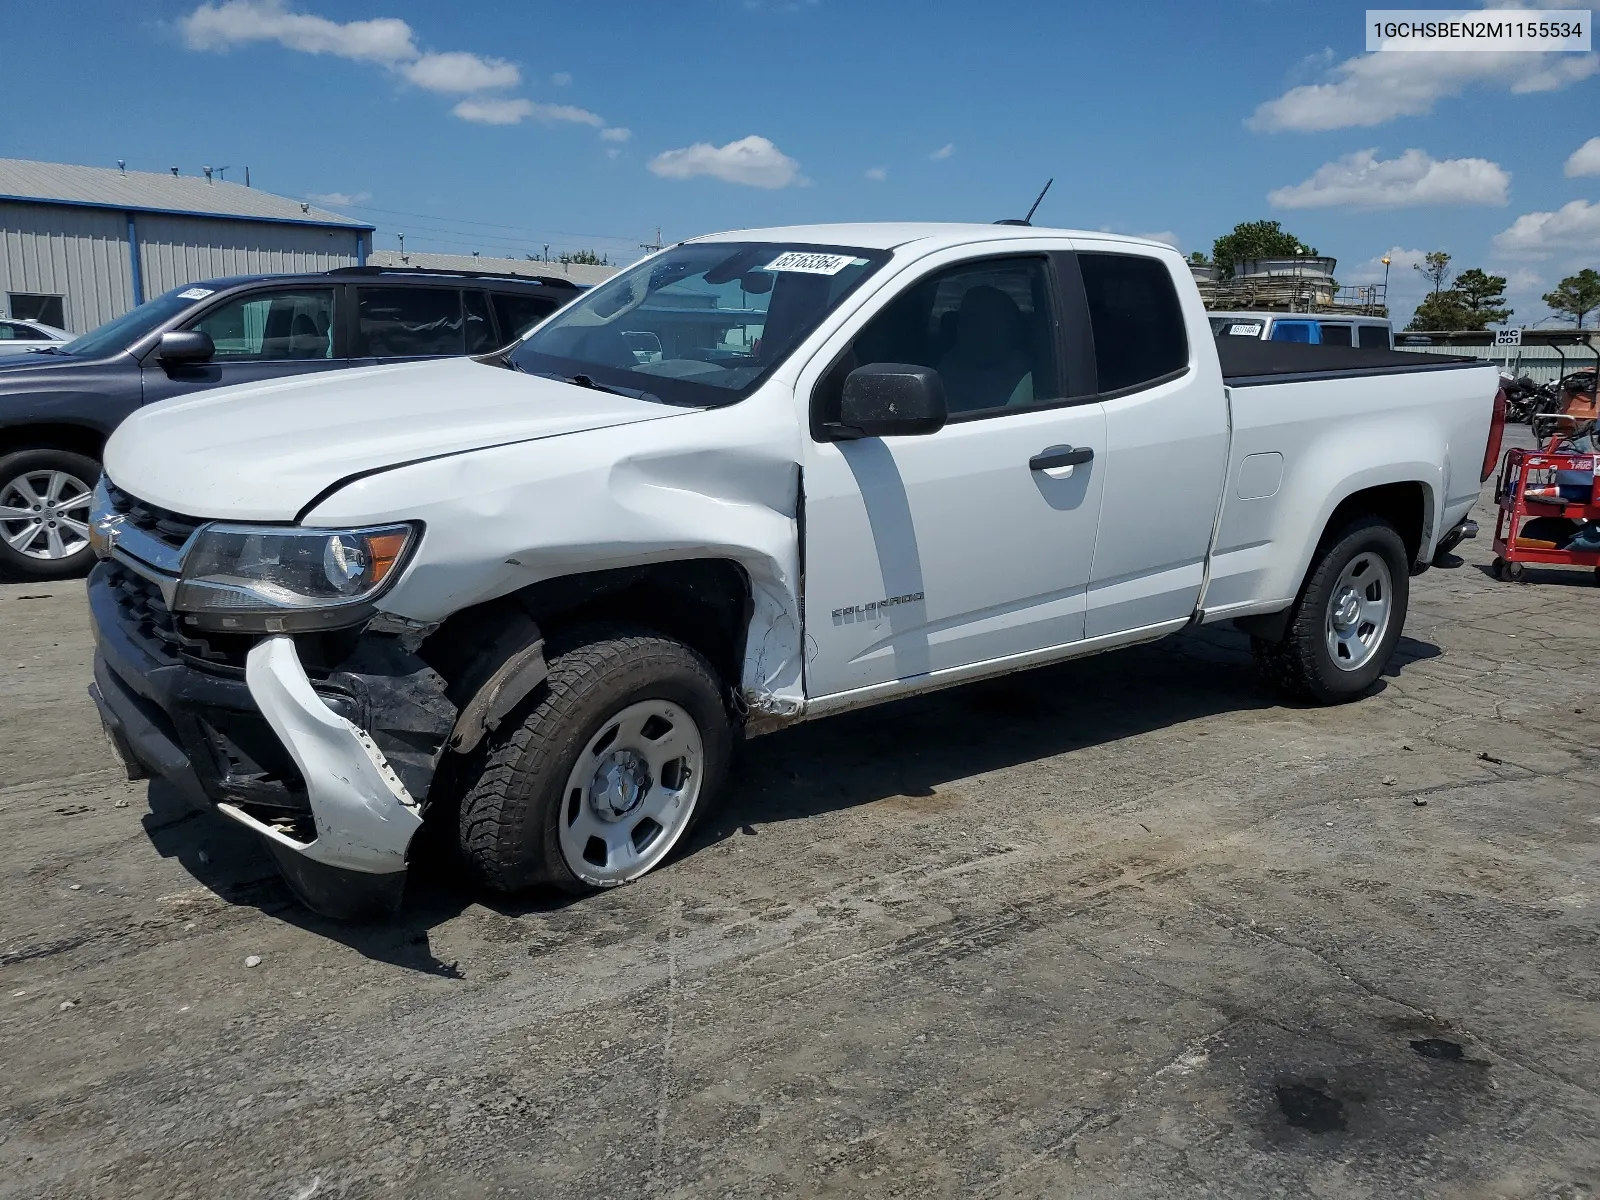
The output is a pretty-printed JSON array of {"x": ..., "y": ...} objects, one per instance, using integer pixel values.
[{"x": 263, "y": 451}]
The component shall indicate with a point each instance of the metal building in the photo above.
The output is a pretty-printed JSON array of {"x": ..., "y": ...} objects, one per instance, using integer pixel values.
[{"x": 81, "y": 245}]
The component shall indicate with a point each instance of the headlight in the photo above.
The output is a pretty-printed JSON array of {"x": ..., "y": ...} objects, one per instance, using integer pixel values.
[{"x": 273, "y": 579}]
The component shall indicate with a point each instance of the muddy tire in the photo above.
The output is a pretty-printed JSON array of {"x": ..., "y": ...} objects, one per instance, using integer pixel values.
[
  {"x": 605, "y": 768},
  {"x": 45, "y": 497},
  {"x": 1344, "y": 627}
]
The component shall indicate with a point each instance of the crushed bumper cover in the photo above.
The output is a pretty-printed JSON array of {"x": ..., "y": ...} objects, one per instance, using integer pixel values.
[{"x": 336, "y": 815}]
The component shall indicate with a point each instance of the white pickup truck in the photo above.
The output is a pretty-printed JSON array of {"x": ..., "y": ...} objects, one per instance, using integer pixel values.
[{"x": 760, "y": 477}]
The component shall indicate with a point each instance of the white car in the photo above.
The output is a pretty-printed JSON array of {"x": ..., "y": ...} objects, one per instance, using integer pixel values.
[
  {"x": 547, "y": 588},
  {"x": 17, "y": 336}
]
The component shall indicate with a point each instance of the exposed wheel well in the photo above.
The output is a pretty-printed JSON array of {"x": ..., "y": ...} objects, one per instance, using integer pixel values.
[
  {"x": 77, "y": 438},
  {"x": 1403, "y": 505},
  {"x": 704, "y": 603}
]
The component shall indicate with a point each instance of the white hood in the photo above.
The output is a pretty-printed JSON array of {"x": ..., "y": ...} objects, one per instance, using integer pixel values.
[{"x": 262, "y": 451}]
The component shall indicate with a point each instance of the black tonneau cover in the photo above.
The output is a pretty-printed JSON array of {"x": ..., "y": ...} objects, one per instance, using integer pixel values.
[{"x": 1247, "y": 361}]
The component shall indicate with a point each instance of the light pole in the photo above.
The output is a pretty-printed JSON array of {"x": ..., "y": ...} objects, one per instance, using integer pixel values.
[{"x": 1385, "y": 283}]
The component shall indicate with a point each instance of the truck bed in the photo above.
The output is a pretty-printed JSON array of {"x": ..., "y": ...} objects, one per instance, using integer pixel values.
[{"x": 1246, "y": 361}]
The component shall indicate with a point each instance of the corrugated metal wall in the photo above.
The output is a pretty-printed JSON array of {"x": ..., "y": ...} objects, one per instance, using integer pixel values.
[
  {"x": 82, "y": 254},
  {"x": 79, "y": 253},
  {"x": 174, "y": 251}
]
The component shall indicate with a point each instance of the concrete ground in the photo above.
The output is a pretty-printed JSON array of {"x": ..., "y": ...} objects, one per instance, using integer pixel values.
[{"x": 1125, "y": 927}]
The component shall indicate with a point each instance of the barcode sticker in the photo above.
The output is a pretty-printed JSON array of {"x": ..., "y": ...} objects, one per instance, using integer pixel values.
[
  {"x": 195, "y": 293},
  {"x": 809, "y": 263}
]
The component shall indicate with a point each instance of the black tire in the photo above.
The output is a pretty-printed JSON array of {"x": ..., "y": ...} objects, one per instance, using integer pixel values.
[
  {"x": 18, "y": 466},
  {"x": 1301, "y": 665},
  {"x": 510, "y": 814}
]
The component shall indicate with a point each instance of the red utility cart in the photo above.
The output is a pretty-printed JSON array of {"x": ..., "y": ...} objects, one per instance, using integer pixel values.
[{"x": 1537, "y": 469}]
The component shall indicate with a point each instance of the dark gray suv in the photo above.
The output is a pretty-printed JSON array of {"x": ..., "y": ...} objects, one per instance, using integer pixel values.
[{"x": 58, "y": 406}]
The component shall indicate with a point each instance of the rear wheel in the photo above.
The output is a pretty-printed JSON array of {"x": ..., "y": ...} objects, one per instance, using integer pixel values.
[
  {"x": 1343, "y": 629},
  {"x": 45, "y": 497},
  {"x": 619, "y": 754}
]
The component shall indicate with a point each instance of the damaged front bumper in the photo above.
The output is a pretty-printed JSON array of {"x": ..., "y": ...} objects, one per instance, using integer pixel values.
[{"x": 330, "y": 771}]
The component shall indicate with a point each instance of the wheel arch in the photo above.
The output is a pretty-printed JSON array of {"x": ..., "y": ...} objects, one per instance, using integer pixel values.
[
  {"x": 56, "y": 435},
  {"x": 491, "y": 654}
]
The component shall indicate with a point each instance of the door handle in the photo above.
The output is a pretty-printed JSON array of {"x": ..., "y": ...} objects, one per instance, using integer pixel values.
[{"x": 1054, "y": 457}]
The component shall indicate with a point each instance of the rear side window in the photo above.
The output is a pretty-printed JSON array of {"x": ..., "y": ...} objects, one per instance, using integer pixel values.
[
  {"x": 409, "y": 322},
  {"x": 1138, "y": 326},
  {"x": 520, "y": 313},
  {"x": 1335, "y": 335},
  {"x": 1374, "y": 337}
]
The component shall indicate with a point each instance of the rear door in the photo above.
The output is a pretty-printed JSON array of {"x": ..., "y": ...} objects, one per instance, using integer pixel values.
[
  {"x": 264, "y": 333},
  {"x": 932, "y": 553},
  {"x": 1166, "y": 438}
]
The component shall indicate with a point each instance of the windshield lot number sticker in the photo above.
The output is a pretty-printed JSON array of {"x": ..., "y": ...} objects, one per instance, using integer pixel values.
[
  {"x": 195, "y": 293},
  {"x": 808, "y": 263},
  {"x": 1244, "y": 330}
]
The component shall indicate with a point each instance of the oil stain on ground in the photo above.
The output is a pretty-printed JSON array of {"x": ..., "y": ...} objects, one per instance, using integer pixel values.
[{"x": 1307, "y": 1106}]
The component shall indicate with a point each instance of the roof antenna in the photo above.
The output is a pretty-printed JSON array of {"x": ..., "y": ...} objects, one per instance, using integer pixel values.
[{"x": 1028, "y": 220}]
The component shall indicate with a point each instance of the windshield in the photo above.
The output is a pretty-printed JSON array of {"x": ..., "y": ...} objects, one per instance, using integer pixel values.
[
  {"x": 122, "y": 332},
  {"x": 701, "y": 324}
]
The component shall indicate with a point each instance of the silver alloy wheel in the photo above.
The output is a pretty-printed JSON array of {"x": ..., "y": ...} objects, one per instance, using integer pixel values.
[
  {"x": 630, "y": 795},
  {"x": 1359, "y": 610},
  {"x": 45, "y": 514}
]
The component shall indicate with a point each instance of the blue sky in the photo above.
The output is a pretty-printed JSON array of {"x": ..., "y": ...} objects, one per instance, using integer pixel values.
[{"x": 502, "y": 127}]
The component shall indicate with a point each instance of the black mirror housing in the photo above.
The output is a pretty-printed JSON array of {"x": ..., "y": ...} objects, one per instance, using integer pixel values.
[
  {"x": 891, "y": 400},
  {"x": 180, "y": 346}
]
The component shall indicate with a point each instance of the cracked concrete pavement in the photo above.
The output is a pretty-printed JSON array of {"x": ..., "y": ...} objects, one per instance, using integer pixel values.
[{"x": 1123, "y": 927}]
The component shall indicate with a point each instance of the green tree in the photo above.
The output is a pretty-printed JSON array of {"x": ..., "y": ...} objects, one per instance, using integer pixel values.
[
  {"x": 1443, "y": 311},
  {"x": 1435, "y": 268},
  {"x": 1576, "y": 295},
  {"x": 585, "y": 257},
  {"x": 1199, "y": 259},
  {"x": 1484, "y": 297},
  {"x": 1255, "y": 239}
]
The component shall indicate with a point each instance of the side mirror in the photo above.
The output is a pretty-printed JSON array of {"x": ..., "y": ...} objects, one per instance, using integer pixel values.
[
  {"x": 180, "y": 346},
  {"x": 890, "y": 400}
]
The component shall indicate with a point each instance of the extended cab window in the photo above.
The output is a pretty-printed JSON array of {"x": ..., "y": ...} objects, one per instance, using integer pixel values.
[
  {"x": 1373, "y": 337},
  {"x": 409, "y": 322},
  {"x": 272, "y": 326},
  {"x": 1138, "y": 327},
  {"x": 1335, "y": 335},
  {"x": 987, "y": 327}
]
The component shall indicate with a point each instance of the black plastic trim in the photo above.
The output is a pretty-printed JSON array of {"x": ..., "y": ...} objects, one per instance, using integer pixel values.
[{"x": 1353, "y": 373}]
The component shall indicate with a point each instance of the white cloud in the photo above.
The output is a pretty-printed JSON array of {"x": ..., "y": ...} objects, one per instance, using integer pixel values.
[
  {"x": 753, "y": 160},
  {"x": 877, "y": 174},
  {"x": 1373, "y": 88},
  {"x": 1400, "y": 259},
  {"x": 338, "y": 199},
  {"x": 457, "y": 71},
  {"x": 240, "y": 22},
  {"x": 1165, "y": 236},
  {"x": 1363, "y": 180},
  {"x": 498, "y": 110},
  {"x": 389, "y": 42},
  {"x": 1574, "y": 226},
  {"x": 615, "y": 133},
  {"x": 943, "y": 152},
  {"x": 1585, "y": 159}
]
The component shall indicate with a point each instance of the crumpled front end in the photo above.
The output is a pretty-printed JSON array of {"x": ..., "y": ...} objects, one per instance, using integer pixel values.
[{"x": 323, "y": 744}]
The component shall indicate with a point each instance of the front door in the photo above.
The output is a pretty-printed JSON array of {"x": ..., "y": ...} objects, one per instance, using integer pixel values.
[
  {"x": 258, "y": 335},
  {"x": 925, "y": 554}
]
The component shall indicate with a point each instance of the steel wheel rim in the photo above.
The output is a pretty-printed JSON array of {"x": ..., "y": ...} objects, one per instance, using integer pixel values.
[
  {"x": 45, "y": 514},
  {"x": 1359, "y": 610},
  {"x": 632, "y": 792}
]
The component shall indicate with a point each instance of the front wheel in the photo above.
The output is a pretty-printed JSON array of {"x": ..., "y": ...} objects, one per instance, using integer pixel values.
[
  {"x": 45, "y": 498},
  {"x": 1343, "y": 629},
  {"x": 621, "y": 753}
]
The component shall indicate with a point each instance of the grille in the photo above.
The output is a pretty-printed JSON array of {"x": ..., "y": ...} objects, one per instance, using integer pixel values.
[
  {"x": 171, "y": 528},
  {"x": 140, "y": 602}
]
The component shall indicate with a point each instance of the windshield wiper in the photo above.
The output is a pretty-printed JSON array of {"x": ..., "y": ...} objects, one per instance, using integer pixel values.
[
  {"x": 585, "y": 381},
  {"x": 48, "y": 350}
]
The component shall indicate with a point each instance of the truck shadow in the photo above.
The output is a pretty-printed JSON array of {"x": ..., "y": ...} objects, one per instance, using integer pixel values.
[
  {"x": 911, "y": 747},
  {"x": 906, "y": 749}
]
